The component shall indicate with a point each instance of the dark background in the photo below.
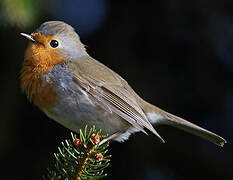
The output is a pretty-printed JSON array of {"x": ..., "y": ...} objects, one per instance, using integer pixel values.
[{"x": 176, "y": 54}]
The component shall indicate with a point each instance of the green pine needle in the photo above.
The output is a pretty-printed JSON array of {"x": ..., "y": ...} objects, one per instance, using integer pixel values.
[{"x": 85, "y": 160}]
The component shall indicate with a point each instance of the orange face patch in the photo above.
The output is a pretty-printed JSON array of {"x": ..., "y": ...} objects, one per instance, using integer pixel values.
[
  {"x": 42, "y": 55},
  {"x": 39, "y": 58}
]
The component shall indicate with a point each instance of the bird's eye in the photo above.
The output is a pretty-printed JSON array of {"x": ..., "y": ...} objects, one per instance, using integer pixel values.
[{"x": 54, "y": 43}]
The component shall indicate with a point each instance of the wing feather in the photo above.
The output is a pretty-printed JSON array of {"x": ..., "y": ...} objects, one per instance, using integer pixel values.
[{"x": 110, "y": 91}]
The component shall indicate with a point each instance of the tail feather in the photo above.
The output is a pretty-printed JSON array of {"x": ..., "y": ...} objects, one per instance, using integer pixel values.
[
  {"x": 193, "y": 129},
  {"x": 158, "y": 116}
]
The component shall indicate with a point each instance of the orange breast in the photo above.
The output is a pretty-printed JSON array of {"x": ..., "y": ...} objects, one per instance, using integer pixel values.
[
  {"x": 38, "y": 60},
  {"x": 37, "y": 90},
  {"x": 46, "y": 98}
]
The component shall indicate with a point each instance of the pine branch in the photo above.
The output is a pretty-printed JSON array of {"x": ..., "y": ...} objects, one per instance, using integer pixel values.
[{"x": 81, "y": 158}]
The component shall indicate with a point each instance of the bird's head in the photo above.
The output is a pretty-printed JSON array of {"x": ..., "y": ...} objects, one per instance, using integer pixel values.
[{"x": 52, "y": 43}]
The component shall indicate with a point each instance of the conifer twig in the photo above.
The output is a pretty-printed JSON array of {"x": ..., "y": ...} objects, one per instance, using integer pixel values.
[
  {"x": 83, "y": 161},
  {"x": 82, "y": 158}
]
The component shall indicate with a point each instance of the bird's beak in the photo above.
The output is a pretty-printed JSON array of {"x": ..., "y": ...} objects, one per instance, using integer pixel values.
[{"x": 28, "y": 36}]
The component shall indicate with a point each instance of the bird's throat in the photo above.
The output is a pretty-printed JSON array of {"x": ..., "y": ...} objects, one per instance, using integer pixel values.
[{"x": 38, "y": 60}]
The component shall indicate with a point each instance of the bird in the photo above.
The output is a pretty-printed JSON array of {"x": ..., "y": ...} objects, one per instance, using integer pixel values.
[{"x": 72, "y": 88}]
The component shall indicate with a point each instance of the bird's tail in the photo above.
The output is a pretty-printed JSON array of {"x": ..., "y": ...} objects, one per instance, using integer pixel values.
[{"x": 157, "y": 116}]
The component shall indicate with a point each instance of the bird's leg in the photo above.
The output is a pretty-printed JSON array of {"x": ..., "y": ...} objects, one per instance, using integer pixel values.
[{"x": 118, "y": 133}]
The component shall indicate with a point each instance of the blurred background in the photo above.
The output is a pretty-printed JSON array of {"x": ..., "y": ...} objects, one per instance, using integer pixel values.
[{"x": 176, "y": 54}]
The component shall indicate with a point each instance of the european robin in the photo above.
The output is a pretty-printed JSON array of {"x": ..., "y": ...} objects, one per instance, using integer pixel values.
[{"x": 75, "y": 90}]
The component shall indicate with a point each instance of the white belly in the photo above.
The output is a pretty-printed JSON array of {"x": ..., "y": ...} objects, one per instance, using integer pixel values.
[{"x": 79, "y": 111}]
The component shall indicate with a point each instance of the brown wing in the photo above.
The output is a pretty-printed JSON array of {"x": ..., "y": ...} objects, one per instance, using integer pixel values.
[{"x": 110, "y": 91}]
